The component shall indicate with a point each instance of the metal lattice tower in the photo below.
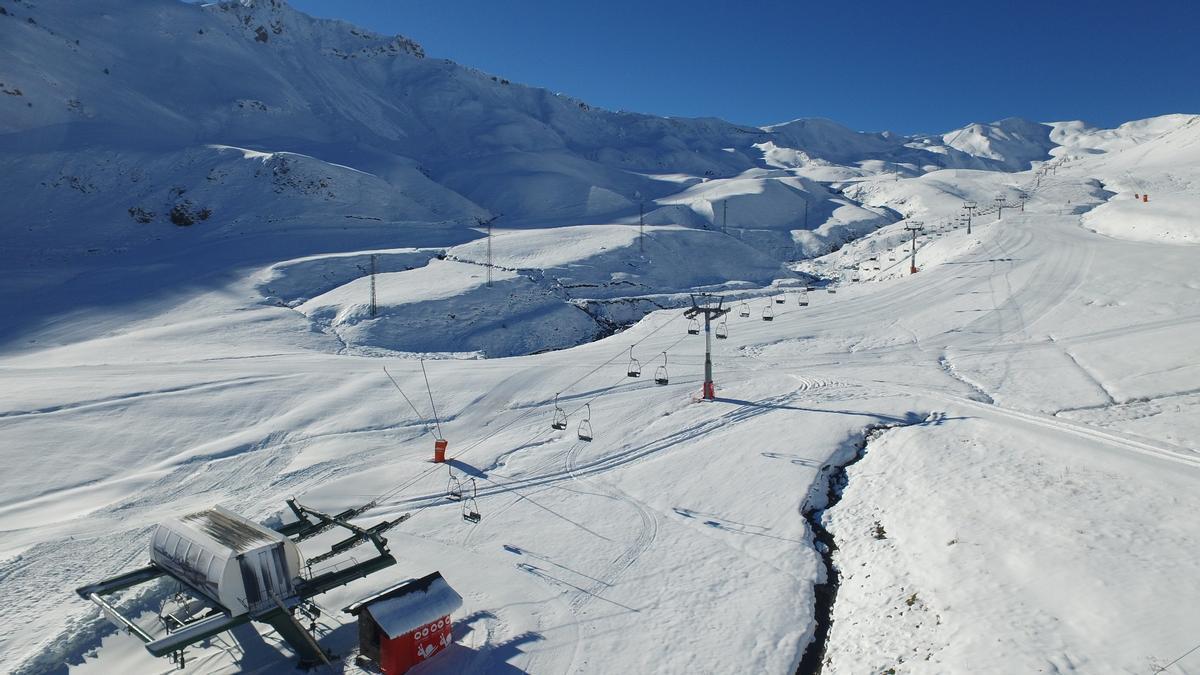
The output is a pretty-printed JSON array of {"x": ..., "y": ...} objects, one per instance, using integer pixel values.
[{"x": 374, "y": 270}]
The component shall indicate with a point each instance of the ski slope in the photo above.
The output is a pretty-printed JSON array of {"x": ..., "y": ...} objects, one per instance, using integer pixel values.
[
  {"x": 187, "y": 256},
  {"x": 1032, "y": 521}
]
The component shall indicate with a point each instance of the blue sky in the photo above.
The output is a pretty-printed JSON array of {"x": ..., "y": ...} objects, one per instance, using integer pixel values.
[{"x": 908, "y": 66}]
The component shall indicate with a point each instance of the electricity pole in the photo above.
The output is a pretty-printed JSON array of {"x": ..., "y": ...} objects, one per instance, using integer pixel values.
[
  {"x": 969, "y": 207},
  {"x": 914, "y": 226},
  {"x": 710, "y": 313}
]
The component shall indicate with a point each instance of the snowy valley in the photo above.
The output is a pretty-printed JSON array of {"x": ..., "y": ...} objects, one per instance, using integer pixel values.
[{"x": 222, "y": 222}]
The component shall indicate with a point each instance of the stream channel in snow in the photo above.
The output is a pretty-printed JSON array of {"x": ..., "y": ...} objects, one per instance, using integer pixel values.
[{"x": 836, "y": 479}]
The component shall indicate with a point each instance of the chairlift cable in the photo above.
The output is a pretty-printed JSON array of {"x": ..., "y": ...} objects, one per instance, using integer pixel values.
[
  {"x": 431, "y": 405},
  {"x": 415, "y": 479},
  {"x": 406, "y": 399}
]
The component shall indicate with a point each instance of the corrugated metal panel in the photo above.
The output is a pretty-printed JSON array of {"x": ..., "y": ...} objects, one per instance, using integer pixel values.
[{"x": 235, "y": 533}]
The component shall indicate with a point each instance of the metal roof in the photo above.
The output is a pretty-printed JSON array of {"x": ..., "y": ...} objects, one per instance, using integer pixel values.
[
  {"x": 409, "y": 604},
  {"x": 231, "y": 531}
]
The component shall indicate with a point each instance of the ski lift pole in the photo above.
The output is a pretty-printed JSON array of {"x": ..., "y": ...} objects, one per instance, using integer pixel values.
[
  {"x": 710, "y": 313},
  {"x": 914, "y": 226},
  {"x": 709, "y": 389}
]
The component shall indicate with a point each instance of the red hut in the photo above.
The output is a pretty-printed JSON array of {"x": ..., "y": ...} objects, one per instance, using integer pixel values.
[{"x": 407, "y": 623}]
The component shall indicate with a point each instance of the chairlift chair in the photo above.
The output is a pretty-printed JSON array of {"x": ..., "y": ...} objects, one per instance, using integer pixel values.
[
  {"x": 802, "y": 299},
  {"x": 722, "y": 330},
  {"x": 560, "y": 416},
  {"x": 744, "y": 310},
  {"x": 779, "y": 300},
  {"x": 470, "y": 508},
  {"x": 585, "y": 426},
  {"x": 454, "y": 487},
  {"x": 768, "y": 313},
  {"x": 660, "y": 374},
  {"x": 635, "y": 366},
  {"x": 694, "y": 327}
]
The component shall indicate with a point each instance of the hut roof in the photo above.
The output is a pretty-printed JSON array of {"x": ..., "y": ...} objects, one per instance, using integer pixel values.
[{"x": 410, "y": 604}]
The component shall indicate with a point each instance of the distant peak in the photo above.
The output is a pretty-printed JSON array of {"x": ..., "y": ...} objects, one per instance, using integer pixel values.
[{"x": 268, "y": 20}]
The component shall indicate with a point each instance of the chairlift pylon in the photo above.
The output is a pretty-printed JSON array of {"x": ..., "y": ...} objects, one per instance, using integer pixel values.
[
  {"x": 560, "y": 416},
  {"x": 470, "y": 508},
  {"x": 635, "y": 366},
  {"x": 722, "y": 330},
  {"x": 768, "y": 313},
  {"x": 694, "y": 327},
  {"x": 744, "y": 310},
  {"x": 660, "y": 373},
  {"x": 584, "y": 431}
]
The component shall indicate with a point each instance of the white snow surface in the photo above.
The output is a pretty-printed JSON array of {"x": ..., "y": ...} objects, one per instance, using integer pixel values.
[{"x": 1032, "y": 510}]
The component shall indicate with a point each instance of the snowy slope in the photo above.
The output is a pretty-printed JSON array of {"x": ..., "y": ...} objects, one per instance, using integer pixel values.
[
  {"x": 439, "y": 141},
  {"x": 1011, "y": 143},
  {"x": 1154, "y": 176},
  {"x": 1026, "y": 362},
  {"x": 187, "y": 240}
]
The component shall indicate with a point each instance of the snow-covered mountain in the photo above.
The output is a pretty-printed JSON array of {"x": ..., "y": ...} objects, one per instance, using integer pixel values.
[
  {"x": 148, "y": 85},
  {"x": 138, "y": 133},
  {"x": 218, "y": 222}
]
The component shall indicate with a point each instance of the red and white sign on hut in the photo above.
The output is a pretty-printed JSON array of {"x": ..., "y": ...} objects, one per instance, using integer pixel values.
[{"x": 407, "y": 623}]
